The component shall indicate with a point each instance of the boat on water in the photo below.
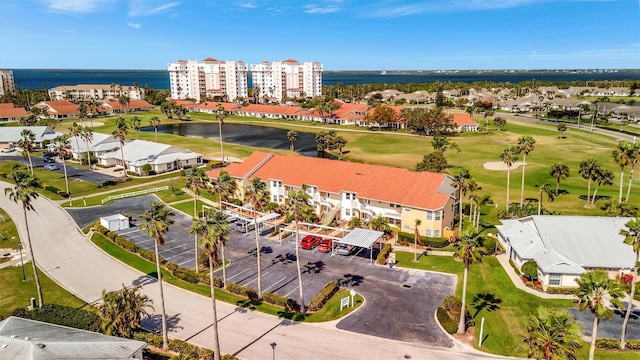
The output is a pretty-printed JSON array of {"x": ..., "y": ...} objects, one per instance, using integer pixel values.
[{"x": 384, "y": 72}]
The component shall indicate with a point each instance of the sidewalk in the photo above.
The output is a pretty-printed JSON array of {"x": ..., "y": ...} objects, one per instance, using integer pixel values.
[
  {"x": 15, "y": 260},
  {"x": 504, "y": 261}
]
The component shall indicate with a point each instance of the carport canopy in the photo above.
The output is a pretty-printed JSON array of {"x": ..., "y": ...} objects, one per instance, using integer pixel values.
[{"x": 361, "y": 237}]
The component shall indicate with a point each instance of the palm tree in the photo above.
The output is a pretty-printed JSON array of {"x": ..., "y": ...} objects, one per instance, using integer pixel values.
[
  {"x": 469, "y": 250},
  {"x": 588, "y": 169},
  {"x": 24, "y": 191},
  {"x": 136, "y": 124},
  {"x": 418, "y": 222},
  {"x": 27, "y": 144},
  {"x": 157, "y": 221},
  {"x": 461, "y": 181},
  {"x": 559, "y": 171},
  {"x": 196, "y": 180},
  {"x": 631, "y": 237},
  {"x": 221, "y": 114},
  {"x": 526, "y": 144},
  {"x": 82, "y": 112},
  {"x": 224, "y": 186},
  {"x": 198, "y": 229},
  {"x": 62, "y": 148},
  {"x": 595, "y": 292},
  {"x": 602, "y": 177},
  {"x": 298, "y": 207},
  {"x": 74, "y": 131},
  {"x": 546, "y": 189},
  {"x": 155, "y": 122},
  {"x": 509, "y": 156},
  {"x": 481, "y": 201},
  {"x": 86, "y": 135},
  {"x": 292, "y": 136},
  {"x": 552, "y": 334},
  {"x": 257, "y": 195},
  {"x": 378, "y": 223},
  {"x": 121, "y": 311},
  {"x": 621, "y": 156},
  {"x": 217, "y": 233},
  {"x": 634, "y": 156},
  {"x": 120, "y": 133}
]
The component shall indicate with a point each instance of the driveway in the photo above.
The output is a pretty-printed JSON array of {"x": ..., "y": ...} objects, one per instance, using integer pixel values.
[
  {"x": 612, "y": 328},
  {"x": 400, "y": 302},
  {"x": 73, "y": 171}
]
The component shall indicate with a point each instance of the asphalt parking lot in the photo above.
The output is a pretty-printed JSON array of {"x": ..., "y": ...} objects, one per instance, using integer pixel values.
[
  {"x": 73, "y": 172},
  {"x": 400, "y": 303},
  {"x": 612, "y": 328}
]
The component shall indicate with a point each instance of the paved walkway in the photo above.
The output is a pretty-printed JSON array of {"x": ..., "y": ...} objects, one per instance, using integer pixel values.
[
  {"x": 15, "y": 260},
  {"x": 107, "y": 192},
  {"x": 517, "y": 281},
  {"x": 72, "y": 261}
]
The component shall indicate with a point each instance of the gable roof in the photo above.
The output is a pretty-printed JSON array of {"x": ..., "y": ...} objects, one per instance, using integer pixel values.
[
  {"x": 30, "y": 339},
  {"x": 11, "y": 112},
  {"x": 12, "y": 133},
  {"x": 463, "y": 119}
]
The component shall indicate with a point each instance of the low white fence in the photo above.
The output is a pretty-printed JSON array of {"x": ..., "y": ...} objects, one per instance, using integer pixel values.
[{"x": 135, "y": 193}]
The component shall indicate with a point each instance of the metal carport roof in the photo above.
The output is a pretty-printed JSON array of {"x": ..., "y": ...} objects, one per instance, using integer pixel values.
[{"x": 361, "y": 237}]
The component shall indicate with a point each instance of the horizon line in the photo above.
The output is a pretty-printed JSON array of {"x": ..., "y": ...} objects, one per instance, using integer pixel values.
[{"x": 354, "y": 70}]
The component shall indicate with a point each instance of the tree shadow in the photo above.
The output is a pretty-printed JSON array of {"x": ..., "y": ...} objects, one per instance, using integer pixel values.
[
  {"x": 485, "y": 301},
  {"x": 156, "y": 323},
  {"x": 350, "y": 280},
  {"x": 145, "y": 279},
  {"x": 266, "y": 250},
  {"x": 563, "y": 192},
  {"x": 315, "y": 267}
]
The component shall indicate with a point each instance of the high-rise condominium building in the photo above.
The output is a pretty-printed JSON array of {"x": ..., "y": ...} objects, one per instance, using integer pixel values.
[
  {"x": 193, "y": 80},
  {"x": 280, "y": 80},
  {"x": 7, "y": 85}
]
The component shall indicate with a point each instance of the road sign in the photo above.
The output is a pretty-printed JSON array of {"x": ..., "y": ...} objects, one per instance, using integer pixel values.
[{"x": 344, "y": 302}]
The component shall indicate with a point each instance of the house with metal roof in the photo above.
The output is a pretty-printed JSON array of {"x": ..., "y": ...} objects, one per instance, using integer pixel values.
[
  {"x": 98, "y": 145},
  {"x": 161, "y": 157},
  {"x": 11, "y": 134},
  {"x": 566, "y": 246},
  {"x": 34, "y": 340}
]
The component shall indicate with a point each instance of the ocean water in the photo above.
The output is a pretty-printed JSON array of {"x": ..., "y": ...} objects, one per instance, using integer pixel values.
[{"x": 159, "y": 79}]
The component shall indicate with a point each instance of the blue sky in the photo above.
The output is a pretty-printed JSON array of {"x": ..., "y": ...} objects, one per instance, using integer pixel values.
[{"x": 341, "y": 34}]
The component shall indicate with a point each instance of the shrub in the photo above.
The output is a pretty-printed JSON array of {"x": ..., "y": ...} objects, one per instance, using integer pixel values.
[
  {"x": 204, "y": 278},
  {"x": 452, "y": 305},
  {"x": 186, "y": 275},
  {"x": 177, "y": 345},
  {"x": 426, "y": 241},
  {"x": 282, "y": 301},
  {"x": 171, "y": 266},
  {"x": 52, "y": 189},
  {"x": 447, "y": 323},
  {"x": 62, "y": 315},
  {"x": 489, "y": 244},
  {"x": 150, "y": 255},
  {"x": 384, "y": 254},
  {"x": 112, "y": 235},
  {"x": 321, "y": 298},
  {"x": 63, "y": 194},
  {"x": 530, "y": 270},
  {"x": 127, "y": 244},
  {"x": 108, "y": 183},
  {"x": 562, "y": 290},
  {"x": 515, "y": 268},
  {"x": 633, "y": 344},
  {"x": 608, "y": 343},
  {"x": 102, "y": 230}
]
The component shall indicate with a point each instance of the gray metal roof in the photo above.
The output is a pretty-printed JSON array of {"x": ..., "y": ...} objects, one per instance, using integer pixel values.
[
  {"x": 12, "y": 133},
  {"x": 361, "y": 237},
  {"x": 29, "y": 339}
]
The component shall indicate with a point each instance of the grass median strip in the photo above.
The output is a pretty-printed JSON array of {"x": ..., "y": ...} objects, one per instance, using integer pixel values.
[{"x": 330, "y": 311}]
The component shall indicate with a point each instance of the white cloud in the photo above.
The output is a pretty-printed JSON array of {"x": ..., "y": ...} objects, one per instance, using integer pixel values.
[
  {"x": 248, "y": 5},
  {"x": 406, "y": 8},
  {"x": 70, "y": 32},
  {"x": 321, "y": 9},
  {"x": 135, "y": 26},
  {"x": 75, "y": 6},
  {"x": 149, "y": 7}
]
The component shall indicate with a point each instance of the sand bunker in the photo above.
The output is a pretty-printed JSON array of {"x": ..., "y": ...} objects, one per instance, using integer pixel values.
[{"x": 499, "y": 165}]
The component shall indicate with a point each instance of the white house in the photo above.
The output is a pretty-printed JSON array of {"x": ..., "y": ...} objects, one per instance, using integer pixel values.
[
  {"x": 566, "y": 246},
  {"x": 99, "y": 145},
  {"x": 11, "y": 134},
  {"x": 161, "y": 157}
]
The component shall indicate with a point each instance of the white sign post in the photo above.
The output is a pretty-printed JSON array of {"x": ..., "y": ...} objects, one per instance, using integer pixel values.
[
  {"x": 481, "y": 331},
  {"x": 344, "y": 302},
  {"x": 353, "y": 294}
]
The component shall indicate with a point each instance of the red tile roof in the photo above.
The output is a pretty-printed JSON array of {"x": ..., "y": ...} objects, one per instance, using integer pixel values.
[
  {"x": 463, "y": 119},
  {"x": 209, "y": 59},
  {"x": 291, "y": 61},
  {"x": 213, "y": 105},
  {"x": 11, "y": 112},
  {"x": 7, "y": 106},
  {"x": 271, "y": 109},
  {"x": 393, "y": 185},
  {"x": 133, "y": 104}
]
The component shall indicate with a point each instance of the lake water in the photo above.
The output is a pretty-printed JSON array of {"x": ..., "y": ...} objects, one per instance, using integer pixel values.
[{"x": 249, "y": 135}]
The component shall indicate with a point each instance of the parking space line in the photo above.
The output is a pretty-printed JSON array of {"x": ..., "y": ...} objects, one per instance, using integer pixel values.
[
  {"x": 238, "y": 274},
  {"x": 144, "y": 241},
  {"x": 294, "y": 289},
  {"x": 263, "y": 274},
  {"x": 184, "y": 262},
  {"x": 128, "y": 232},
  {"x": 182, "y": 253},
  {"x": 274, "y": 284}
]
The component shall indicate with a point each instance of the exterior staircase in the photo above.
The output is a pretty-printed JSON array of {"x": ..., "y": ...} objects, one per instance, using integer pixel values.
[{"x": 328, "y": 216}]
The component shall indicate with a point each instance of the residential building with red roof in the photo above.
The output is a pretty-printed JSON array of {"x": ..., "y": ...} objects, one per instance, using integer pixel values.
[
  {"x": 96, "y": 92},
  {"x": 279, "y": 80},
  {"x": 10, "y": 113},
  {"x": 113, "y": 107},
  {"x": 347, "y": 189},
  {"x": 463, "y": 122},
  {"x": 58, "y": 109}
]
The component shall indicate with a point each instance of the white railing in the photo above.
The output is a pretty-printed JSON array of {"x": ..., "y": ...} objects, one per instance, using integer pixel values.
[{"x": 135, "y": 193}]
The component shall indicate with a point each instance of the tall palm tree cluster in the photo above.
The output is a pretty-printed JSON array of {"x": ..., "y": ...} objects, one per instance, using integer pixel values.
[
  {"x": 468, "y": 187},
  {"x": 121, "y": 312}
]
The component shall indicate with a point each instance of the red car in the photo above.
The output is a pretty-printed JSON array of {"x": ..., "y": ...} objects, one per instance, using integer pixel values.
[
  {"x": 326, "y": 245},
  {"x": 310, "y": 241}
]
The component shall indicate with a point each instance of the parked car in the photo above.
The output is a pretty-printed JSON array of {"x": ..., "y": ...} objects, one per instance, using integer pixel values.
[
  {"x": 345, "y": 250},
  {"x": 326, "y": 245},
  {"x": 9, "y": 149},
  {"x": 242, "y": 226},
  {"x": 310, "y": 241},
  {"x": 50, "y": 166},
  {"x": 49, "y": 157}
]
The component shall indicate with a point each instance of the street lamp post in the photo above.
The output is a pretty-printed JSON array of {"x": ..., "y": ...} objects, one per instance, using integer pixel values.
[
  {"x": 273, "y": 348},
  {"x": 24, "y": 277}
]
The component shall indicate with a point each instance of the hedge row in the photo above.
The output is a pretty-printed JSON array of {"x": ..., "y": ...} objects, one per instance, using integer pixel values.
[
  {"x": 615, "y": 344},
  {"x": 515, "y": 268},
  {"x": 447, "y": 323},
  {"x": 179, "y": 346},
  {"x": 242, "y": 290},
  {"x": 427, "y": 241},
  {"x": 323, "y": 296},
  {"x": 62, "y": 315},
  {"x": 384, "y": 254},
  {"x": 282, "y": 301},
  {"x": 562, "y": 290}
]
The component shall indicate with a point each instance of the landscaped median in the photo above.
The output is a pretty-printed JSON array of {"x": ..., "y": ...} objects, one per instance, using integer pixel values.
[{"x": 238, "y": 295}]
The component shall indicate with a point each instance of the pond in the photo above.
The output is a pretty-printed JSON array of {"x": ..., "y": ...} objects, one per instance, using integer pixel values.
[{"x": 249, "y": 135}]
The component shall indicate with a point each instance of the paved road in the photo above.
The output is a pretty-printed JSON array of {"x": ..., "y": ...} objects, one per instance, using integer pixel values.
[
  {"x": 72, "y": 261},
  {"x": 73, "y": 172}
]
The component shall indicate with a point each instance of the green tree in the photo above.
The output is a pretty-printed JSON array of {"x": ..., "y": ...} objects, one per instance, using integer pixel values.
[
  {"x": 509, "y": 156},
  {"x": 198, "y": 229},
  {"x": 120, "y": 133},
  {"x": 634, "y": 156},
  {"x": 299, "y": 208},
  {"x": 559, "y": 171},
  {"x": 562, "y": 127},
  {"x": 433, "y": 162},
  {"x": 595, "y": 292},
  {"x": 156, "y": 224},
  {"x": 589, "y": 169},
  {"x": 469, "y": 250},
  {"x": 481, "y": 201},
  {"x": 631, "y": 237},
  {"x": 257, "y": 195},
  {"x": 224, "y": 186},
  {"x": 544, "y": 189},
  {"x": 461, "y": 181},
  {"x": 86, "y": 135},
  {"x": 621, "y": 156},
  {"x": 381, "y": 114},
  {"x": 552, "y": 334},
  {"x": 221, "y": 114},
  {"x": 602, "y": 177},
  {"x": 196, "y": 180},
  {"x": 121, "y": 311},
  {"x": 136, "y": 124},
  {"x": 62, "y": 149},
  {"x": 24, "y": 192},
  {"x": 82, "y": 112},
  {"x": 500, "y": 122},
  {"x": 155, "y": 122},
  {"x": 354, "y": 222},
  {"x": 530, "y": 270},
  {"x": 416, "y": 238},
  {"x": 27, "y": 144},
  {"x": 378, "y": 223},
  {"x": 526, "y": 144},
  {"x": 74, "y": 132},
  {"x": 292, "y": 136},
  {"x": 442, "y": 143}
]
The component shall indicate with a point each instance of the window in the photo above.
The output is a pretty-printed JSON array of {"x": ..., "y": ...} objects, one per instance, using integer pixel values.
[
  {"x": 347, "y": 196},
  {"x": 438, "y": 215},
  {"x": 554, "y": 279},
  {"x": 428, "y": 233},
  {"x": 392, "y": 205},
  {"x": 436, "y": 233},
  {"x": 347, "y": 212},
  {"x": 407, "y": 209},
  {"x": 429, "y": 215}
]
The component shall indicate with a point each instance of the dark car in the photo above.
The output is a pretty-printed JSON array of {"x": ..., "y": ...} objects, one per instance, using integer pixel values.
[
  {"x": 49, "y": 157},
  {"x": 326, "y": 245},
  {"x": 309, "y": 242}
]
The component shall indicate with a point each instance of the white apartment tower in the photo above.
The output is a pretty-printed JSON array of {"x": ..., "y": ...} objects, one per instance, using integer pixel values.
[
  {"x": 211, "y": 77},
  {"x": 286, "y": 79},
  {"x": 7, "y": 85}
]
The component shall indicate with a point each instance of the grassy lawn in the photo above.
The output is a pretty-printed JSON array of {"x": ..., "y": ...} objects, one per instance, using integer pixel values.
[
  {"x": 187, "y": 207},
  {"x": 330, "y": 311},
  {"x": 9, "y": 237},
  {"x": 165, "y": 195},
  {"x": 15, "y": 293}
]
